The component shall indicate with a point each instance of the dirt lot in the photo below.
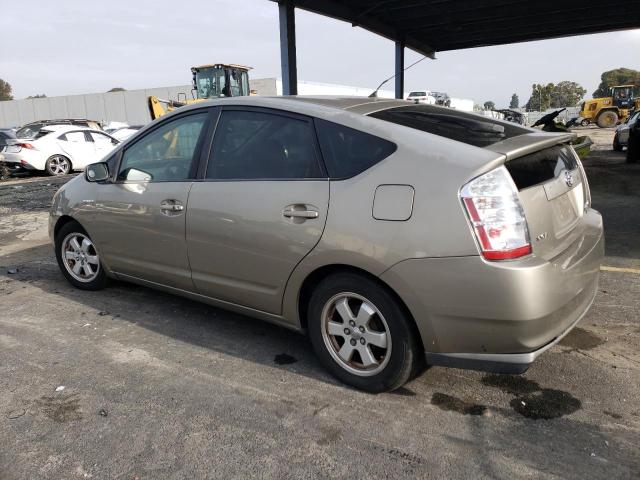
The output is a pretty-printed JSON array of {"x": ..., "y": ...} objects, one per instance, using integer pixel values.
[{"x": 160, "y": 387}]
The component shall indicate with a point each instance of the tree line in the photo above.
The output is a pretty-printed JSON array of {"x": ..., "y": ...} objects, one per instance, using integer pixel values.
[{"x": 570, "y": 94}]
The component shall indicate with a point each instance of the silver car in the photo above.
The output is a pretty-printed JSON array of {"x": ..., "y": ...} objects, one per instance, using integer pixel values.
[{"x": 392, "y": 233}]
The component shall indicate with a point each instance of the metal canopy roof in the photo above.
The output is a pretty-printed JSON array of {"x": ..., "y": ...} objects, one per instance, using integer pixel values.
[{"x": 429, "y": 26}]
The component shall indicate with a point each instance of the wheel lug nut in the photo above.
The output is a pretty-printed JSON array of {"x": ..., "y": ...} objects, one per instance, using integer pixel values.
[
  {"x": 362, "y": 341},
  {"x": 361, "y": 328},
  {"x": 347, "y": 331},
  {"x": 352, "y": 323},
  {"x": 353, "y": 342}
]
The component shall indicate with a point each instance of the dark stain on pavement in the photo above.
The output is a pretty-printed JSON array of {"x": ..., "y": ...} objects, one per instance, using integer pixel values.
[
  {"x": 449, "y": 403},
  {"x": 329, "y": 435},
  {"x": 60, "y": 408},
  {"x": 531, "y": 400},
  {"x": 581, "y": 339},
  {"x": 615, "y": 415},
  {"x": 408, "y": 461},
  {"x": 546, "y": 404},
  {"x": 284, "y": 359}
]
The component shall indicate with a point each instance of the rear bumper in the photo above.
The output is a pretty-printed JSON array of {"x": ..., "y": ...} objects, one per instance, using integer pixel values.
[
  {"x": 15, "y": 167},
  {"x": 24, "y": 161},
  {"x": 500, "y": 316},
  {"x": 509, "y": 363}
]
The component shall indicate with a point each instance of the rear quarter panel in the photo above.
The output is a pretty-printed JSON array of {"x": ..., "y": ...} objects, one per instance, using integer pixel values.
[{"x": 435, "y": 167}]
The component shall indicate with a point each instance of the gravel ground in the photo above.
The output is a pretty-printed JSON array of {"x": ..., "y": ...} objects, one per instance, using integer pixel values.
[{"x": 156, "y": 386}]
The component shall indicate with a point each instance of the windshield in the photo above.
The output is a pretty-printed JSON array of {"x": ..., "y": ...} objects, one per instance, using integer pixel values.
[
  {"x": 210, "y": 83},
  {"x": 29, "y": 131},
  {"x": 418, "y": 94}
]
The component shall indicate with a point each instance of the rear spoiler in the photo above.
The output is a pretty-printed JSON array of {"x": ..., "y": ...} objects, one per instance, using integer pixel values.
[{"x": 521, "y": 145}]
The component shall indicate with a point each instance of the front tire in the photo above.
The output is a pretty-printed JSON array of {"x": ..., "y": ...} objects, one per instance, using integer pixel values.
[
  {"x": 585, "y": 123},
  {"x": 361, "y": 333},
  {"x": 58, "y": 165},
  {"x": 78, "y": 258},
  {"x": 607, "y": 119}
]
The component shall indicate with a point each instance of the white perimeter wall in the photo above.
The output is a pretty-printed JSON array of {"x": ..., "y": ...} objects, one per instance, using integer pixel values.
[{"x": 131, "y": 106}]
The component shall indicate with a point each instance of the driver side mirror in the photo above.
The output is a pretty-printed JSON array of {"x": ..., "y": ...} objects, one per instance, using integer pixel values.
[{"x": 97, "y": 172}]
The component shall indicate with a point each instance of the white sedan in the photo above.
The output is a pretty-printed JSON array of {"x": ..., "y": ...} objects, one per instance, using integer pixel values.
[
  {"x": 58, "y": 149},
  {"x": 423, "y": 96}
]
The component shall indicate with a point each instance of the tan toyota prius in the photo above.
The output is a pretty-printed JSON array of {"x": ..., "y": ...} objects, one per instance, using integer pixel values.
[{"x": 391, "y": 232}]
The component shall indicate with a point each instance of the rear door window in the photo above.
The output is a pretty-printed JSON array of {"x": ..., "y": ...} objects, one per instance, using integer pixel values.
[
  {"x": 102, "y": 140},
  {"x": 76, "y": 137},
  {"x": 348, "y": 152},
  {"x": 260, "y": 145}
]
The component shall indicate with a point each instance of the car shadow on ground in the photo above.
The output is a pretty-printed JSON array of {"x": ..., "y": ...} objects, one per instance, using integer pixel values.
[{"x": 179, "y": 318}]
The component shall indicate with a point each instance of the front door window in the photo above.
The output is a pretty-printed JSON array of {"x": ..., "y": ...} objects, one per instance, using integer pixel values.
[{"x": 167, "y": 154}]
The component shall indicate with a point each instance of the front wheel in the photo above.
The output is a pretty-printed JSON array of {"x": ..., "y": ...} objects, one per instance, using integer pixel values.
[
  {"x": 607, "y": 119},
  {"x": 78, "y": 258},
  {"x": 58, "y": 165},
  {"x": 585, "y": 123},
  {"x": 361, "y": 334}
]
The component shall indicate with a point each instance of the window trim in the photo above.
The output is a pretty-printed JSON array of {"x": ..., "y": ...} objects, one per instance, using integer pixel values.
[
  {"x": 197, "y": 152},
  {"x": 202, "y": 173}
]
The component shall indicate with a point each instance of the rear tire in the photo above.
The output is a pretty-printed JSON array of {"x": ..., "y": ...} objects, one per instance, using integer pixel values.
[
  {"x": 361, "y": 334},
  {"x": 78, "y": 258},
  {"x": 607, "y": 119},
  {"x": 585, "y": 123},
  {"x": 58, "y": 165}
]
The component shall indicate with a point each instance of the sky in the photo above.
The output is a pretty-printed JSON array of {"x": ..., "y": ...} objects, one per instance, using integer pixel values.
[{"x": 79, "y": 46}]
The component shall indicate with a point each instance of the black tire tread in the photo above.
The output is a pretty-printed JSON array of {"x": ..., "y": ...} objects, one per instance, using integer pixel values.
[
  {"x": 405, "y": 362},
  {"x": 99, "y": 282}
]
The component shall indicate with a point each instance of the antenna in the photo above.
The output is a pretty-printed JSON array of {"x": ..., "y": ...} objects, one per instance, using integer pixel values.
[{"x": 375, "y": 92}]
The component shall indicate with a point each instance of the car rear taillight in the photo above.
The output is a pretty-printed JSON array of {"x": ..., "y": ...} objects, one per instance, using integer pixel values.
[
  {"x": 494, "y": 208},
  {"x": 26, "y": 145}
]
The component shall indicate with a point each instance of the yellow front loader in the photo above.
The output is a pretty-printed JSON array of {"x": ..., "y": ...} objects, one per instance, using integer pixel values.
[
  {"x": 609, "y": 111},
  {"x": 209, "y": 81}
]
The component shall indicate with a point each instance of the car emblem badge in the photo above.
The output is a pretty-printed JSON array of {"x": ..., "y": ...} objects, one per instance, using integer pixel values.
[{"x": 568, "y": 179}]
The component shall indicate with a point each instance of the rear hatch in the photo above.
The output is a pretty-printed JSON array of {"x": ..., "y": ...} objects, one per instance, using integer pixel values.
[{"x": 552, "y": 186}]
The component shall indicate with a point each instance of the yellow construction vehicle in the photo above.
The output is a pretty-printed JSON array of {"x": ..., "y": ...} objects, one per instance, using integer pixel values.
[
  {"x": 209, "y": 81},
  {"x": 609, "y": 111}
]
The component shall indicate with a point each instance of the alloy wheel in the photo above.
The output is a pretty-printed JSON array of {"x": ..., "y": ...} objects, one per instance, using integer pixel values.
[
  {"x": 356, "y": 334},
  {"x": 80, "y": 257},
  {"x": 59, "y": 165}
]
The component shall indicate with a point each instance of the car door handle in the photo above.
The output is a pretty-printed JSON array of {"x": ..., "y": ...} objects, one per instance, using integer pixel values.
[{"x": 306, "y": 214}]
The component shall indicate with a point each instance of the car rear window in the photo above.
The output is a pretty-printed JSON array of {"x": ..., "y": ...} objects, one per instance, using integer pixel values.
[
  {"x": 460, "y": 126},
  {"x": 348, "y": 152},
  {"x": 542, "y": 166},
  {"x": 41, "y": 134},
  {"x": 29, "y": 131}
]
